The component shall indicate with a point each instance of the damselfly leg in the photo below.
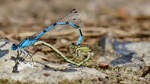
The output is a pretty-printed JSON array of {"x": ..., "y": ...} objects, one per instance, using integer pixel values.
[{"x": 26, "y": 54}]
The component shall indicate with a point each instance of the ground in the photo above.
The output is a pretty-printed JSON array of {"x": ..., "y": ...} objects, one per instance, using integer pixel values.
[{"x": 116, "y": 31}]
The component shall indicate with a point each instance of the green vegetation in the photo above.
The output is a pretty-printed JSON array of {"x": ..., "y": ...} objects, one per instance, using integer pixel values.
[{"x": 78, "y": 51}]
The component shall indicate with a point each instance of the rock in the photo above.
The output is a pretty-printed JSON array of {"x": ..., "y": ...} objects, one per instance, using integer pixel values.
[
  {"x": 40, "y": 71},
  {"x": 133, "y": 54},
  {"x": 106, "y": 42},
  {"x": 147, "y": 60}
]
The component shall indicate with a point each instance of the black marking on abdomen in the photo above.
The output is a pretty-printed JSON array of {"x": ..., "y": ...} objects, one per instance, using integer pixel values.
[
  {"x": 67, "y": 22},
  {"x": 80, "y": 32},
  {"x": 77, "y": 26},
  {"x": 54, "y": 24},
  {"x": 44, "y": 31}
]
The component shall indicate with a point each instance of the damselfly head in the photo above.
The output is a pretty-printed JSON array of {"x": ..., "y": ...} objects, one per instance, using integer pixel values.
[
  {"x": 73, "y": 46},
  {"x": 14, "y": 47}
]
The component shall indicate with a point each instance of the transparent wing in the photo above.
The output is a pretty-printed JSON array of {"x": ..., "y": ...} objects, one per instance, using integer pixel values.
[
  {"x": 67, "y": 31},
  {"x": 73, "y": 16}
]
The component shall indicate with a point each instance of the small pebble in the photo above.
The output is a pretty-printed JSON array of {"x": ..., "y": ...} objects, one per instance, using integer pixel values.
[
  {"x": 103, "y": 65},
  {"x": 46, "y": 74}
]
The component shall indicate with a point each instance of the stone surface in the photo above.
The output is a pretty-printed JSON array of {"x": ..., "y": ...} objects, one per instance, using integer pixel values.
[
  {"x": 40, "y": 71},
  {"x": 135, "y": 54}
]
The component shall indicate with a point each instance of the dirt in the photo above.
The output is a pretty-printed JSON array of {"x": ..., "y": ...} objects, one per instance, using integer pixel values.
[{"x": 125, "y": 20}]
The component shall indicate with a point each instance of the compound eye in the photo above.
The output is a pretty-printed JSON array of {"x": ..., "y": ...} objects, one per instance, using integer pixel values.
[{"x": 13, "y": 47}]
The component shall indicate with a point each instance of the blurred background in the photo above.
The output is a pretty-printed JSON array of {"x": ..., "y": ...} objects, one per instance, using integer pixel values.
[{"x": 126, "y": 19}]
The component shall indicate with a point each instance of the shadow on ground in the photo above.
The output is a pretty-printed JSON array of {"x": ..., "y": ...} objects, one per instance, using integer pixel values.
[
  {"x": 3, "y": 52},
  {"x": 126, "y": 54}
]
